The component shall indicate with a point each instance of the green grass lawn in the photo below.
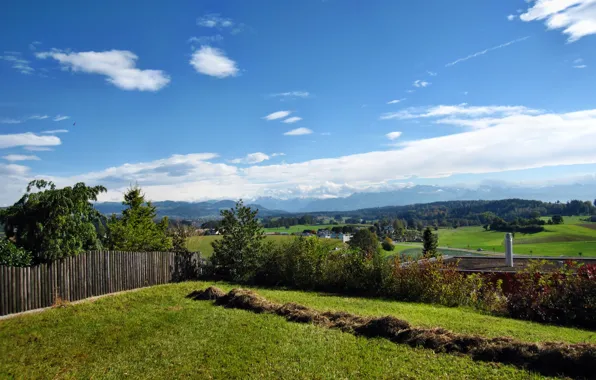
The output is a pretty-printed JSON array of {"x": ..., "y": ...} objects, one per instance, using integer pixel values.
[
  {"x": 203, "y": 243},
  {"x": 558, "y": 240},
  {"x": 158, "y": 333},
  {"x": 302, "y": 227}
]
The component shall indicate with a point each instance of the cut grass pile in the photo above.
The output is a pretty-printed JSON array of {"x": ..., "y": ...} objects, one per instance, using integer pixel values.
[
  {"x": 158, "y": 333},
  {"x": 577, "y": 360},
  {"x": 567, "y": 239}
]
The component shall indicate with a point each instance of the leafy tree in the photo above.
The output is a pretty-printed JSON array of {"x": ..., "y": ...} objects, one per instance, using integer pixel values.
[
  {"x": 136, "y": 229},
  {"x": 429, "y": 243},
  {"x": 365, "y": 241},
  {"x": 557, "y": 219},
  {"x": 387, "y": 244},
  {"x": 54, "y": 223},
  {"x": 179, "y": 233},
  {"x": 236, "y": 255},
  {"x": 13, "y": 256}
]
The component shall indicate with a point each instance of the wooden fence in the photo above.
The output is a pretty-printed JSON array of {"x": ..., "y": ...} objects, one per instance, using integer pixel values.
[{"x": 90, "y": 274}]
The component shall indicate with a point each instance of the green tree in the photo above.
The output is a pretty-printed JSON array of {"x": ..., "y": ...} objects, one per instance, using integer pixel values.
[
  {"x": 387, "y": 244},
  {"x": 365, "y": 241},
  {"x": 179, "y": 233},
  {"x": 13, "y": 256},
  {"x": 557, "y": 219},
  {"x": 136, "y": 229},
  {"x": 54, "y": 223},
  {"x": 236, "y": 255},
  {"x": 429, "y": 243}
]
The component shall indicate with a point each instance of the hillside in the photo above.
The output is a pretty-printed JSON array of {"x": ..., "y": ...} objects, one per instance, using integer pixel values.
[{"x": 158, "y": 333}]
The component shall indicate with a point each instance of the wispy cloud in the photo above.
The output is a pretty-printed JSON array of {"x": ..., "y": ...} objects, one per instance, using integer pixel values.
[
  {"x": 37, "y": 149},
  {"x": 482, "y": 52},
  {"x": 61, "y": 117},
  {"x": 212, "y": 61},
  {"x": 395, "y": 101},
  {"x": 299, "y": 132},
  {"x": 214, "y": 20},
  {"x": 577, "y": 18},
  {"x": 393, "y": 135},
  {"x": 10, "y": 121},
  {"x": 253, "y": 158},
  {"x": 54, "y": 131},
  {"x": 421, "y": 83},
  {"x": 13, "y": 170},
  {"x": 205, "y": 40},
  {"x": 511, "y": 17},
  {"x": 20, "y": 157},
  {"x": 27, "y": 139},
  {"x": 23, "y": 119},
  {"x": 277, "y": 115},
  {"x": 38, "y": 117},
  {"x": 432, "y": 73},
  {"x": 277, "y": 154},
  {"x": 17, "y": 61},
  {"x": 578, "y": 64},
  {"x": 33, "y": 45},
  {"x": 119, "y": 66},
  {"x": 292, "y": 119},
  {"x": 460, "y": 110},
  {"x": 291, "y": 94}
]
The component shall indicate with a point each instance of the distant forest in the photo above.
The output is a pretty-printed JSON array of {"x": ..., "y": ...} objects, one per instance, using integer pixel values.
[{"x": 452, "y": 213}]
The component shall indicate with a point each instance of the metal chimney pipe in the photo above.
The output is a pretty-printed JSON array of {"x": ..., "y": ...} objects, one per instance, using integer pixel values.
[{"x": 509, "y": 250}]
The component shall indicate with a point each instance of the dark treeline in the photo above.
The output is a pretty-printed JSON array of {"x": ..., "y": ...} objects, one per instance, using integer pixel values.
[{"x": 470, "y": 213}]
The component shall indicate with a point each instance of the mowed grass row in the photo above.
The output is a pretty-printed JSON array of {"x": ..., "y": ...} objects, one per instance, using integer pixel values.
[
  {"x": 158, "y": 333},
  {"x": 567, "y": 239}
]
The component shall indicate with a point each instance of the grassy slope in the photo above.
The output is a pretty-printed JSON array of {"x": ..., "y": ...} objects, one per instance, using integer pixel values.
[
  {"x": 567, "y": 239},
  {"x": 302, "y": 227},
  {"x": 157, "y": 333}
]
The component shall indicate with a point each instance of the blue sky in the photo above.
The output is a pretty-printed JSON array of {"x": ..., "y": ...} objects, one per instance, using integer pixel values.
[{"x": 227, "y": 99}]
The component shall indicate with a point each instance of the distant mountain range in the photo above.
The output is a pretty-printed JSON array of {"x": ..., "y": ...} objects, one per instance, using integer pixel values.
[{"x": 269, "y": 206}]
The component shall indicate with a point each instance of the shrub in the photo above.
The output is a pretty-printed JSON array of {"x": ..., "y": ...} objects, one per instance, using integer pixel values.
[
  {"x": 387, "y": 244},
  {"x": 566, "y": 296},
  {"x": 11, "y": 255}
]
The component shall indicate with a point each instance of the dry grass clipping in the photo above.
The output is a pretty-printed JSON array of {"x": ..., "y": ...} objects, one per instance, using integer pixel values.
[{"x": 549, "y": 358}]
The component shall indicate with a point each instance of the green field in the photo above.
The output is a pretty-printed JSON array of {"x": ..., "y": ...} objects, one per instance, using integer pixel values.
[
  {"x": 558, "y": 240},
  {"x": 302, "y": 227},
  {"x": 158, "y": 333},
  {"x": 203, "y": 243}
]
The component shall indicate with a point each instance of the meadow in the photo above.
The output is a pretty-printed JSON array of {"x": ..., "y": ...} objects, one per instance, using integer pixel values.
[
  {"x": 568, "y": 239},
  {"x": 158, "y": 333}
]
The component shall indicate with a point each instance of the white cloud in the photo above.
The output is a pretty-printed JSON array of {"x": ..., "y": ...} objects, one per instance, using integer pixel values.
[
  {"x": 54, "y": 131},
  {"x": 511, "y": 17},
  {"x": 252, "y": 158},
  {"x": 23, "y": 119},
  {"x": 277, "y": 154},
  {"x": 17, "y": 61},
  {"x": 211, "y": 61},
  {"x": 33, "y": 45},
  {"x": 579, "y": 60},
  {"x": 325, "y": 133},
  {"x": 395, "y": 101},
  {"x": 277, "y": 115},
  {"x": 510, "y": 141},
  {"x": 393, "y": 135},
  {"x": 27, "y": 139},
  {"x": 421, "y": 83},
  {"x": 38, "y": 117},
  {"x": 119, "y": 66},
  {"x": 580, "y": 66},
  {"x": 410, "y": 91},
  {"x": 37, "y": 149},
  {"x": 205, "y": 40},
  {"x": 482, "y": 52},
  {"x": 457, "y": 110},
  {"x": 13, "y": 170},
  {"x": 61, "y": 117},
  {"x": 577, "y": 18},
  {"x": 298, "y": 132},
  {"x": 292, "y": 119},
  {"x": 20, "y": 157},
  {"x": 214, "y": 20},
  {"x": 432, "y": 73},
  {"x": 291, "y": 94}
]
